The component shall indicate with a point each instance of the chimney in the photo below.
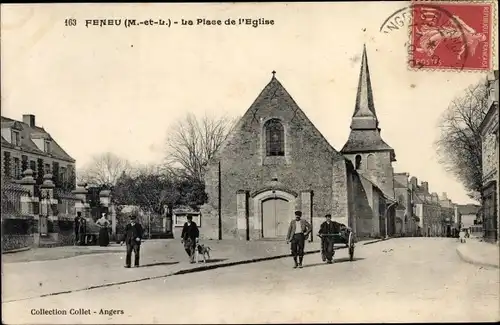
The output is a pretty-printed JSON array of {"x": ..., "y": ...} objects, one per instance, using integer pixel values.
[
  {"x": 29, "y": 119},
  {"x": 413, "y": 182},
  {"x": 425, "y": 186},
  {"x": 445, "y": 196}
]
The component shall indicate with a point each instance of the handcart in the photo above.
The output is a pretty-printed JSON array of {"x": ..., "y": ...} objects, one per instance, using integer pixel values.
[{"x": 344, "y": 237}]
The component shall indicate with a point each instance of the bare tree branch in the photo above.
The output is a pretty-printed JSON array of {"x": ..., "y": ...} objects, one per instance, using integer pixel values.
[
  {"x": 192, "y": 142},
  {"x": 104, "y": 169},
  {"x": 459, "y": 147}
]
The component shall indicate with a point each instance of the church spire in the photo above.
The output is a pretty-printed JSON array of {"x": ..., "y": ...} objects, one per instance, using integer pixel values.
[{"x": 364, "y": 117}]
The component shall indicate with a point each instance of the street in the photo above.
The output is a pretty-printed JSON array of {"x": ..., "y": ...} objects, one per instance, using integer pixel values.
[{"x": 399, "y": 280}]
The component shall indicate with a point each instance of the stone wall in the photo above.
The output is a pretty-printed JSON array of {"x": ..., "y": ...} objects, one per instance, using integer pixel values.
[
  {"x": 307, "y": 164},
  {"x": 12, "y": 242},
  {"x": 341, "y": 184},
  {"x": 17, "y": 232},
  {"x": 379, "y": 170},
  {"x": 362, "y": 207}
]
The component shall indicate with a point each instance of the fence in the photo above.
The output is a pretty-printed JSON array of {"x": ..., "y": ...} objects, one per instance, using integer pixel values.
[
  {"x": 17, "y": 228},
  {"x": 20, "y": 227},
  {"x": 151, "y": 223}
]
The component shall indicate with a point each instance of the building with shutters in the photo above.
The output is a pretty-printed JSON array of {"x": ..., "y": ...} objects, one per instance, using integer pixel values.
[{"x": 26, "y": 145}]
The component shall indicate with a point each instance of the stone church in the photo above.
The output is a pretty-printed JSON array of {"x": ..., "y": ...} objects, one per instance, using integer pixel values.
[{"x": 276, "y": 161}]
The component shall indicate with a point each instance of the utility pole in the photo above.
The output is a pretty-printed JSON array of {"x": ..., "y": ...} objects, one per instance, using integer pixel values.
[
  {"x": 219, "y": 205},
  {"x": 149, "y": 225}
]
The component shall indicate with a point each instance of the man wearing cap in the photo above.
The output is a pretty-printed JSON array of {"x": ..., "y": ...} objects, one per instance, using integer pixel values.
[
  {"x": 298, "y": 231},
  {"x": 189, "y": 237},
  {"x": 132, "y": 238},
  {"x": 327, "y": 228}
]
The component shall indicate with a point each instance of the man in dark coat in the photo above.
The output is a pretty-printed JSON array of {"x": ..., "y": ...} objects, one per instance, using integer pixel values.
[
  {"x": 189, "y": 237},
  {"x": 77, "y": 227},
  {"x": 132, "y": 238},
  {"x": 328, "y": 228},
  {"x": 82, "y": 231}
]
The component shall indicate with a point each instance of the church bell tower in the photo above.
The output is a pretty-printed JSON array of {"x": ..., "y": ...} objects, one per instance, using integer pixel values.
[{"x": 366, "y": 149}]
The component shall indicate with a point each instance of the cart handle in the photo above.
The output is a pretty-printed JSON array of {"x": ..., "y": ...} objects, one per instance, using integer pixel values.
[{"x": 329, "y": 235}]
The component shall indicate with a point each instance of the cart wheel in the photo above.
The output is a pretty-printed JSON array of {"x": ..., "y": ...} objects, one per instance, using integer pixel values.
[{"x": 351, "y": 247}]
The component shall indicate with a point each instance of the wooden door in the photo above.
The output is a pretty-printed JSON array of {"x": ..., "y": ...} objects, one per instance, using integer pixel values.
[
  {"x": 283, "y": 217},
  {"x": 268, "y": 219},
  {"x": 275, "y": 218}
]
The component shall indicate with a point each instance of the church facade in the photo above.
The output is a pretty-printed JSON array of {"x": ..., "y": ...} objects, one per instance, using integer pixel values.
[{"x": 275, "y": 161}]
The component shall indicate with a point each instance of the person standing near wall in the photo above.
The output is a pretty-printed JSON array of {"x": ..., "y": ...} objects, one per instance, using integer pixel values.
[
  {"x": 82, "y": 230},
  {"x": 103, "y": 224},
  {"x": 77, "y": 227}
]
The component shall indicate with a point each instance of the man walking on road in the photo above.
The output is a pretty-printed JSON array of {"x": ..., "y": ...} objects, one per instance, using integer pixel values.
[
  {"x": 327, "y": 229},
  {"x": 190, "y": 235},
  {"x": 133, "y": 236},
  {"x": 298, "y": 231}
]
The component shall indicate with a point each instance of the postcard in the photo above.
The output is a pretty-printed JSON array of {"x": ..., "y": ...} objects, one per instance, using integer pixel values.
[{"x": 281, "y": 162}]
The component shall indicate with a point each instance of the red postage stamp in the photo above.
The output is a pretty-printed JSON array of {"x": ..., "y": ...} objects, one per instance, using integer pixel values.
[{"x": 451, "y": 35}]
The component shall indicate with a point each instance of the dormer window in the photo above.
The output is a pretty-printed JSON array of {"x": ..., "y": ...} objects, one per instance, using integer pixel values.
[
  {"x": 46, "y": 147},
  {"x": 16, "y": 138}
]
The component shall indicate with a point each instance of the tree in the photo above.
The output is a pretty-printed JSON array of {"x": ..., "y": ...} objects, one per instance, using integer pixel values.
[
  {"x": 153, "y": 191},
  {"x": 191, "y": 143},
  {"x": 104, "y": 169},
  {"x": 122, "y": 194},
  {"x": 192, "y": 192},
  {"x": 460, "y": 146}
]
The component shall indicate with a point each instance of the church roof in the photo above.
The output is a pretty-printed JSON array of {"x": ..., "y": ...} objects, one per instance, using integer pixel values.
[
  {"x": 386, "y": 195},
  {"x": 274, "y": 91},
  {"x": 365, "y": 141},
  {"x": 364, "y": 108},
  {"x": 365, "y": 132}
]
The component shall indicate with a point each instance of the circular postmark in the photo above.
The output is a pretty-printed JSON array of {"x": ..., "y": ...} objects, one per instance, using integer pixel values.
[{"x": 437, "y": 36}]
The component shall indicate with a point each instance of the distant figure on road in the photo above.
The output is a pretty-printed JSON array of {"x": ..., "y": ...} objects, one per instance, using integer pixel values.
[
  {"x": 82, "y": 230},
  {"x": 298, "y": 231},
  {"x": 327, "y": 228},
  {"x": 132, "y": 237},
  {"x": 103, "y": 224},
  {"x": 462, "y": 235},
  {"x": 189, "y": 237},
  {"x": 77, "y": 227}
]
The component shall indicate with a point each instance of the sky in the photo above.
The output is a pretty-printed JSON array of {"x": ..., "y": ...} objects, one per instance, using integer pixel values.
[{"x": 117, "y": 89}]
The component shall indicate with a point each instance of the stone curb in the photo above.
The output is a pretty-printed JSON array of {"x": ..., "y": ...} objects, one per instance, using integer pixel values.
[
  {"x": 470, "y": 260},
  {"x": 17, "y": 250},
  {"x": 180, "y": 272},
  {"x": 183, "y": 271},
  {"x": 376, "y": 241}
]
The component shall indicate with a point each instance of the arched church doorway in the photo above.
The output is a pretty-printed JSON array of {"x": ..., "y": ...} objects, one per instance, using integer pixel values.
[{"x": 276, "y": 216}]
